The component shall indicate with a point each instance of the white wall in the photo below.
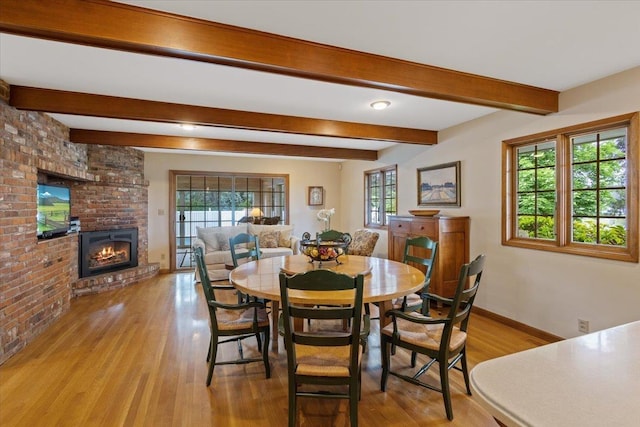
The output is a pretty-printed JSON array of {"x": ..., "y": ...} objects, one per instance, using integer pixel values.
[
  {"x": 546, "y": 290},
  {"x": 302, "y": 174}
]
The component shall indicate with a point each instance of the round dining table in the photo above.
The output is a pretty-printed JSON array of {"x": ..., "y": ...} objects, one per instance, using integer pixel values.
[{"x": 384, "y": 280}]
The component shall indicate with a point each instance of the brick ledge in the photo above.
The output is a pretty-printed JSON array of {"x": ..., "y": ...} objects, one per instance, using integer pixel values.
[{"x": 113, "y": 280}]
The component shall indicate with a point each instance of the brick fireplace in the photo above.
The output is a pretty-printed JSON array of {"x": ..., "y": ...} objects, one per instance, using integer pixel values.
[{"x": 108, "y": 192}]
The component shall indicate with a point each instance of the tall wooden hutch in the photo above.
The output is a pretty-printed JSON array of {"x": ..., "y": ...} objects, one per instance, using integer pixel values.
[{"x": 452, "y": 235}]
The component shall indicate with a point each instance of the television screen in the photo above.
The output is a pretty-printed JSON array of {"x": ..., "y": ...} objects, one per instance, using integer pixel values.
[{"x": 53, "y": 210}]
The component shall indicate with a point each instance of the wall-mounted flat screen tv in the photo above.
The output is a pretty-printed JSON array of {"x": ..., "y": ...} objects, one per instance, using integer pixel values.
[{"x": 54, "y": 206}]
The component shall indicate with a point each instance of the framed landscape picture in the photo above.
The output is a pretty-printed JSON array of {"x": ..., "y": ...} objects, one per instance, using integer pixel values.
[{"x": 439, "y": 185}]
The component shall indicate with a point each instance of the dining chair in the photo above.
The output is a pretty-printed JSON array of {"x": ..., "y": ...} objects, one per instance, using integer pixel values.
[
  {"x": 421, "y": 251},
  {"x": 333, "y": 235},
  {"x": 324, "y": 357},
  {"x": 244, "y": 247},
  {"x": 233, "y": 323},
  {"x": 442, "y": 340}
]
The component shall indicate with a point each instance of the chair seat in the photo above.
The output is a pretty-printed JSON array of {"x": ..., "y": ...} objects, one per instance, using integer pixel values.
[
  {"x": 413, "y": 300},
  {"x": 231, "y": 320},
  {"x": 425, "y": 336},
  {"x": 324, "y": 361}
]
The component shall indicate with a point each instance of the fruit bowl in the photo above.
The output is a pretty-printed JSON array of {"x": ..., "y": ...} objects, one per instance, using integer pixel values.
[{"x": 324, "y": 250}]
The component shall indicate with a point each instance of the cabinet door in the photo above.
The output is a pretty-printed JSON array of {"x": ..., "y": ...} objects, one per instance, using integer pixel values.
[
  {"x": 398, "y": 233},
  {"x": 453, "y": 252}
]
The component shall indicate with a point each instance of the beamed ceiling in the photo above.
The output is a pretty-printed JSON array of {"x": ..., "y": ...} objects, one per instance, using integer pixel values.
[{"x": 120, "y": 74}]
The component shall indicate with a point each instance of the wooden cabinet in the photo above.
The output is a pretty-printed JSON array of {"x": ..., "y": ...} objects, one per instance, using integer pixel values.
[{"x": 452, "y": 235}]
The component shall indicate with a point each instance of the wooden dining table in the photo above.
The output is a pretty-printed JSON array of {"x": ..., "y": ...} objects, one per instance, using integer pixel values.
[{"x": 384, "y": 280}]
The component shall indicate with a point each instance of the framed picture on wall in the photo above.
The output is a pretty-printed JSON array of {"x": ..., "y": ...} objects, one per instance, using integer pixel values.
[
  {"x": 316, "y": 196},
  {"x": 439, "y": 185}
]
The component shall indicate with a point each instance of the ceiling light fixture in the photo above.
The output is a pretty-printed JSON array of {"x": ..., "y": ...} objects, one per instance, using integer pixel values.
[
  {"x": 187, "y": 126},
  {"x": 380, "y": 105}
]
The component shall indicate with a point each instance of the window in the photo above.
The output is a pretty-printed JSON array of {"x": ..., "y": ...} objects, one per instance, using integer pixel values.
[
  {"x": 215, "y": 199},
  {"x": 574, "y": 190},
  {"x": 380, "y": 196}
]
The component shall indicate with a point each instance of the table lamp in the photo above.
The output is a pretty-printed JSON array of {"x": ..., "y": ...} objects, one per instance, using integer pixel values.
[{"x": 256, "y": 213}]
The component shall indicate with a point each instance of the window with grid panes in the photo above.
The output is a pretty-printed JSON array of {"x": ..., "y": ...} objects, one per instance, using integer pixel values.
[
  {"x": 575, "y": 190},
  {"x": 380, "y": 196},
  {"x": 210, "y": 199}
]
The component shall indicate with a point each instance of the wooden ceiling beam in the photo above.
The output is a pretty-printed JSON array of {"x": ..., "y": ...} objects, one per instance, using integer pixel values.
[
  {"x": 118, "y": 26},
  {"x": 81, "y": 136},
  {"x": 64, "y": 102}
]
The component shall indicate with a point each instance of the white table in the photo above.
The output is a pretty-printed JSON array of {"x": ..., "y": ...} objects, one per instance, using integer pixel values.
[{"x": 592, "y": 380}]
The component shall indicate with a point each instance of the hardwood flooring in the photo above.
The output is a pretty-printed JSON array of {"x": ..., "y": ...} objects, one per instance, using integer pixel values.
[{"x": 136, "y": 357}]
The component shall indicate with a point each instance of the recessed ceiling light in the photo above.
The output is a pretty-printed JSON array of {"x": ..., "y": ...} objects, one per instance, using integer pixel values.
[
  {"x": 187, "y": 126},
  {"x": 380, "y": 105}
]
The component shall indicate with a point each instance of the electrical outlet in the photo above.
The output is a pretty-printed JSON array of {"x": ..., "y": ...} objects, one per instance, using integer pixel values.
[
  {"x": 162, "y": 256},
  {"x": 583, "y": 326}
]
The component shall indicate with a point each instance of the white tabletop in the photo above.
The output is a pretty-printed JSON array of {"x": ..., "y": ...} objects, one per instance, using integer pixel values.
[{"x": 592, "y": 380}]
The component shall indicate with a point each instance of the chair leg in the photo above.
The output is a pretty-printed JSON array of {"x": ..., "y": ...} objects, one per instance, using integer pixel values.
[
  {"x": 265, "y": 354},
  {"x": 425, "y": 307},
  {"x": 386, "y": 354},
  {"x": 446, "y": 392},
  {"x": 259, "y": 341},
  {"x": 212, "y": 361},
  {"x": 413, "y": 359},
  {"x": 353, "y": 404},
  {"x": 209, "y": 350},
  {"x": 465, "y": 371},
  {"x": 240, "y": 349},
  {"x": 292, "y": 402}
]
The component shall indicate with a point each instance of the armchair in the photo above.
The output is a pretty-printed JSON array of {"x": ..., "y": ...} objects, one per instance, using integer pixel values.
[
  {"x": 233, "y": 323},
  {"x": 441, "y": 340}
]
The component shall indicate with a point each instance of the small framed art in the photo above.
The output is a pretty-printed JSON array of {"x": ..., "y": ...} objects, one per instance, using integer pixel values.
[
  {"x": 316, "y": 196},
  {"x": 439, "y": 185}
]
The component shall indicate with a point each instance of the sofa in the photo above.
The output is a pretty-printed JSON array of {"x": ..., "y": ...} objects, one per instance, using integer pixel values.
[{"x": 274, "y": 240}]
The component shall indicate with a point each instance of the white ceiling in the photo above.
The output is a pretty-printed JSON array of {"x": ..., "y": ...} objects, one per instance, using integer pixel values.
[{"x": 555, "y": 45}]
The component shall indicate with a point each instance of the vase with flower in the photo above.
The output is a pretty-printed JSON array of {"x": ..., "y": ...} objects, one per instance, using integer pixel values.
[{"x": 325, "y": 215}]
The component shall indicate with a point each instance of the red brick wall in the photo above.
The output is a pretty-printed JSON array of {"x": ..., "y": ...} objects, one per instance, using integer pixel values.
[
  {"x": 37, "y": 278},
  {"x": 118, "y": 197}
]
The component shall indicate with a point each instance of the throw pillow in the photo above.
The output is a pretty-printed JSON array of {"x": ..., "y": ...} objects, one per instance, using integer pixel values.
[
  {"x": 269, "y": 239},
  {"x": 208, "y": 236},
  {"x": 285, "y": 239},
  {"x": 223, "y": 242},
  {"x": 286, "y": 232}
]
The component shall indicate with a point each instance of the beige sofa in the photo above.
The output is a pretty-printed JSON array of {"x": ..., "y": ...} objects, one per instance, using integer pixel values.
[{"x": 215, "y": 243}]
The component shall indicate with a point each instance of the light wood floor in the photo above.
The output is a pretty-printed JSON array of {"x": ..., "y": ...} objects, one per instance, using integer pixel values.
[{"x": 136, "y": 357}]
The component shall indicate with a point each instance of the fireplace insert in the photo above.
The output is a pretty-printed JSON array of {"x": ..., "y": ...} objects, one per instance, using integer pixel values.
[{"x": 106, "y": 251}]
